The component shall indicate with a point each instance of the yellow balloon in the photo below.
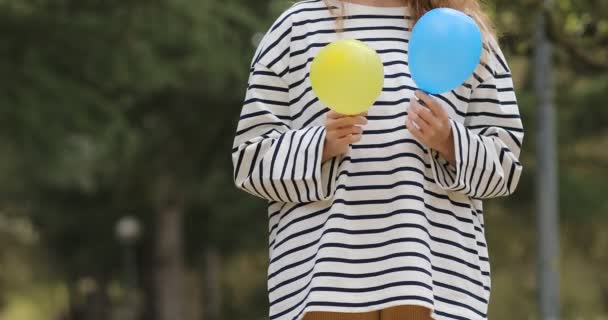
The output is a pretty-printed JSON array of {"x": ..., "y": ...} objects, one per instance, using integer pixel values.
[{"x": 347, "y": 76}]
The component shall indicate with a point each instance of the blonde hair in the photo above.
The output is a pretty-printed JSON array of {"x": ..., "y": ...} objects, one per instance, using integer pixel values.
[{"x": 417, "y": 8}]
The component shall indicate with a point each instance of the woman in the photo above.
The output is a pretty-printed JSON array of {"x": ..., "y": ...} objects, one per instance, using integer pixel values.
[{"x": 378, "y": 215}]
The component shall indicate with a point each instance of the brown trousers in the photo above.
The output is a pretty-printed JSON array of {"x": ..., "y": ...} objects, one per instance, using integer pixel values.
[{"x": 393, "y": 313}]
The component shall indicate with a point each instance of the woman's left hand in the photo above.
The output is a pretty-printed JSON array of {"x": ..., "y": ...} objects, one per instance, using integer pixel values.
[{"x": 433, "y": 125}]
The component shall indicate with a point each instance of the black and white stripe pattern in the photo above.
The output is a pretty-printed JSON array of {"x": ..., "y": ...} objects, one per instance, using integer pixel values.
[{"x": 390, "y": 222}]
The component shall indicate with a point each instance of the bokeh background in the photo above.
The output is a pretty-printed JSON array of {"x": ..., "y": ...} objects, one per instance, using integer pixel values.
[{"x": 126, "y": 109}]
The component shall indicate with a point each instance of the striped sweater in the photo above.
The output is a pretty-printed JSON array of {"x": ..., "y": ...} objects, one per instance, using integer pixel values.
[{"x": 391, "y": 222}]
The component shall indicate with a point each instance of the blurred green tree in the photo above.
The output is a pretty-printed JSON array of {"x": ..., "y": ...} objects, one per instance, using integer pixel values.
[{"x": 128, "y": 107}]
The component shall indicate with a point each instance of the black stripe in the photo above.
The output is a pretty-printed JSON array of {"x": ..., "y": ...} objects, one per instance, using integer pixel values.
[
  {"x": 475, "y": 192},
  {"x": 314, "y": 255},
  {"x": 310, "y": 46},
  {"x": 468, "y": 152},
  {"x": 394, "y": 89},
  {"x": 277, "y": 103},
  {"x": 279, "y": 23},
  {"x": 388, "y": 158},
  {"x": 384, "y": 131},
  {"x": 474, "y": 172},
  {"x": 385, "y": 173},
  {"x": 391, "y": 103},
  {"x": 263, "y": 112},
  {"x": 261, "y": 174},
  {"x": 451, "y": 316},
  {"x": 379, "y": 187},
  {"x": 490, "y": 178},
  {"x": 265, "y": 87},
  {"x": 298, "y": 98},
  {"x": 331, "y": 178},
  {"x": 272, "y": 45},
  {"x": 454, "y": 288},
  {"x": 333, "y": 30},
  {"x": 353, "y": 17},
  {"x": 384, "y": 286},
  {"x": 299, "y": 82},
  {"x": 359, "y": 247},
  {"x": 295, "y": 163},
  {"x": 443, "y": 178},
  {"x": 396, "y": 184},
  {"x": 492, "y": 72},
  {"x": 494, "y": 101},
  {"x": 323, "y": 44},
  {"x": 274, "y": 123},
  {"x": 252, "y": 167},
  {"x": 481, "y": 126},
  {"x": 306, "y": 164},
  {"x": 446, "y": 100},
  {"x": 387, "y": 116},
  {"x": 461, "y": 276},
  {"x": 382, "y": 51},
  {"x": 494, "y": 115},
  {"x": 317, "y": 160},
  {"x": 278, "y": 58},
  {"x": 460, "y": 304},
  {"x": 304, "y": 108},
  {"x": 237, "y": 168},
  {"x": 367, "y": 231},
  {"x": 352, "y": 304},
  {"x": 271, "y": 215},
  {"x": 287, "y": 157},
  {"x": 265, "y": 73},
  {"x": 389, "y": 144},
  {"x": 511, "y": 174},
  {"x": 500, "y": 60},
  {"x": 460, "y": 144},
  {"x": 477, "y": 77},
  {"x": 397, "y": 75},
  {"x": 263, "y": 136},
  {"x": 315, "y": 117},
  {"x": 331, "y": 230},
  {"x": 272, "y": 165},
  {"x": 393, "y": 63},
  {"x": 459, "y": 97},
  {"x": 498, "y": 180}
]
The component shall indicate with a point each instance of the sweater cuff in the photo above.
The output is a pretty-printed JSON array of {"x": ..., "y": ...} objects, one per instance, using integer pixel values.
[
  {"x": 327, "y": 173},
  {"x": 449, "y": 177}
]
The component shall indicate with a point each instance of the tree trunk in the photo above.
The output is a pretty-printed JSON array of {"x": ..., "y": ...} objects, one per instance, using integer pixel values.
[
  {"x": 148, "y": 283},
  {"x": 97, "y": 303},
  {"x": 212, "y": 284},
  {"x": 169, "y": 261}
]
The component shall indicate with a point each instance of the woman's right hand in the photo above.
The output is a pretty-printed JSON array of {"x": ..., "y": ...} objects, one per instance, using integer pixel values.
[{"x": 342, "y": 131}]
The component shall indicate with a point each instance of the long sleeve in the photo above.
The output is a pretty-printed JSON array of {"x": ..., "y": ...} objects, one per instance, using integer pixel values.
[
  {"x": 272, "y": 160},
  {"x": 487, "y": 144}
]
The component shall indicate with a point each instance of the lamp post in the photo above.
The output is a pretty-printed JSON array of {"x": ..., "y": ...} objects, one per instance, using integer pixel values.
[
  {"x": 128, "y": 231},
  {"x": 547, "y": 179}
]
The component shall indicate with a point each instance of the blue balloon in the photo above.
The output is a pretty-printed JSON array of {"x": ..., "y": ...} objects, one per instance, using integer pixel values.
[{"x": 444, "y": 50}]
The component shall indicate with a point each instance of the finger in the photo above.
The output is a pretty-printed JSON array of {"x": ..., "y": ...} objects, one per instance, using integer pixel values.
[
  {"x": 431, "y": 103},
  {"x": 424, "y": 114},
  {"x": 352, "y": 138},
  {"x": 331, "y": 114},
  {"x": 348, "y": 140},
  {"x": 412, "y": 128},
  {"x": 334, "y": 115},
  {"x": 414, "y": 116},
  {"x": 346, "y": 122},
  {"x": 342, "y": 132}
]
